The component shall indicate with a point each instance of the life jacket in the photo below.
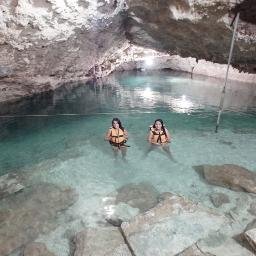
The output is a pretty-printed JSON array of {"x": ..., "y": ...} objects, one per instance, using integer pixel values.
[
  {"x": 117, "y": 137},
  {"x": 158, "y": 136}
]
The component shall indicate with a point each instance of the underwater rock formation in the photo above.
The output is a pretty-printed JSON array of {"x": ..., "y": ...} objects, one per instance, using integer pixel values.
[
  {"x": 9, "y": 184},
  {"x": 194, "y": 251},
  {"x": 231, "y": 176},
  {"x": 37, "y": 249},
  {"x": 30, "y": 213},
  {"x": 142, "y": 196},
  {"x": 172, "y": 226},
  {"x": 218, "y": 199},
  {"x": 100, "y": 242},
  {"x": 250, "y": 236}
]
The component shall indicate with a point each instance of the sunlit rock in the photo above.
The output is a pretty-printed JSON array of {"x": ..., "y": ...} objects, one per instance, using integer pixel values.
[
  {"x": 171, "y": 227},
  {"x": 231, "y": 176},
  {"x": 33, "y": 211},
  {"x": 37, "y": 249},
  {"x": 100, "y": 242}
]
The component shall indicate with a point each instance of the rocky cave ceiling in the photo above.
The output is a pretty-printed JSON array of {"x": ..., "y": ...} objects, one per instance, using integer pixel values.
[
  {"x": 197, "y": 30},
  {"x": 67, "y": 38}
]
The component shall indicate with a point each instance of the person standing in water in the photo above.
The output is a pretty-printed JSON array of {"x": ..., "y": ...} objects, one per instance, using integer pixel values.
[
  {"x": 117, "y": 137},
  {"x": 159, "y": 137}
]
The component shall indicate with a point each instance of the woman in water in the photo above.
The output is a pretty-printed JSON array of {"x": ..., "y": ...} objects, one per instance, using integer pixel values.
[
  {"x": 117, "y": 137},
  {"x": 159, "y": 137}
]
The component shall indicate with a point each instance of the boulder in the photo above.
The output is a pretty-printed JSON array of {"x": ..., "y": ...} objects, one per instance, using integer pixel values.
[{"x": 231, "y": 176}]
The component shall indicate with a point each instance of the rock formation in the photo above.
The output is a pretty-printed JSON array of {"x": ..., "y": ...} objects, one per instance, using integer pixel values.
[{"x": 44, "y": 43}]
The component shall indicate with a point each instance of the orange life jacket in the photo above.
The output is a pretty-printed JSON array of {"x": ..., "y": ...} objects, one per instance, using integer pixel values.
[
  {"x": 117, "y": 137},
  {"x": 158, "y": 136}
]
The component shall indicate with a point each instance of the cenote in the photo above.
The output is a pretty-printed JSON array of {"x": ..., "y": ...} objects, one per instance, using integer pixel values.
[{"x": 58, "y": 138}]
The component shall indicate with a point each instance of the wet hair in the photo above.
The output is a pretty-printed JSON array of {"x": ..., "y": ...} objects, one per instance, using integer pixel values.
[
  {"x": 119, "y": 122},
  {"x": 162, "y": 123}
]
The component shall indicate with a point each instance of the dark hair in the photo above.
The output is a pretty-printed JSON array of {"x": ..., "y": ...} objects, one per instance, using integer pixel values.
[
  {"x": 119, "y": 122},
  {"x": 162, "y": 123}
]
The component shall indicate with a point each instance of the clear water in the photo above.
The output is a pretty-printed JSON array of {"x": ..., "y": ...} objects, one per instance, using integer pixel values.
[{"x": 39, "y": 138}]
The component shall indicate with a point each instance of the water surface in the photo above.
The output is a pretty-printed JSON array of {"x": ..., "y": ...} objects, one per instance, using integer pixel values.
[{"x": 58, "y": 137}]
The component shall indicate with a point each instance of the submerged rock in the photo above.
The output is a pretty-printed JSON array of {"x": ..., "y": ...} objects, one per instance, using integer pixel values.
[
  {"x": 100, "y": 242},
  {"x": 37, "y": 249},
  {"x": 252, "y": 209},
  {"x": 218, "y": 199},
  {"x": 116, "y": 214},
  {"x": 225, "y": 247},
  {"x": 128, "y": 201},
  {"x": 142, "y": 196},
  {"x": 193, "y": 251},
  {"x": 9, "y": 184},
  {"x": 33, "y": 211},
  {"x": 171, "y": 227},
  {"x": 250, "y": 236},
  {"x": 231, "y": 176}
]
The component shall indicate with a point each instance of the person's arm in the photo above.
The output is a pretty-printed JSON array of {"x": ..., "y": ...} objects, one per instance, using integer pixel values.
[
  {"x": 108, "y": 135},
  {"x": 125, "y": 135},
  {"x": 150, "y": 137},
  {"x": 168, "y": 136}
]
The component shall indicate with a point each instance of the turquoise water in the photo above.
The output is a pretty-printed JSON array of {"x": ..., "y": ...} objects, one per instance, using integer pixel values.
[
  {"x": 188, "y": 106},
  {"x": 70, "y": 149}
]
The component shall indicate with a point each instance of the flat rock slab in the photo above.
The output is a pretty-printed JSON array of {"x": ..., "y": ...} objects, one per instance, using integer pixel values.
[
  {"x": 33, "y": 211},
  {"x": 100, "y": 242},
  {"x": 230, "y": 176},
  {"x": 172, "y": 226},
  {"x": 226, "y": 247}
]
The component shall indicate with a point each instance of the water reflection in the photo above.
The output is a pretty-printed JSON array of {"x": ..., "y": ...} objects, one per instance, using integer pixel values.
[
  {"x": 131, "y": 91},
  {"x": 182, "y": 105}
]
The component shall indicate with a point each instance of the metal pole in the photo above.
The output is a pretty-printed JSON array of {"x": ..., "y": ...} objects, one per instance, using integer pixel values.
[{"x": 226, "y": 78}]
